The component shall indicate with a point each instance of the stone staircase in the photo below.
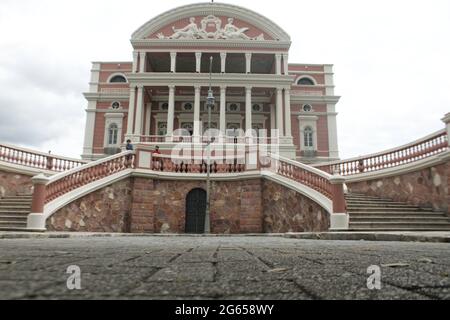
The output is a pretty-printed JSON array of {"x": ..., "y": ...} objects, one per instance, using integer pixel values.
[
  {"x": 377, "y": 214},
  {"x": 14, "y": 211}
]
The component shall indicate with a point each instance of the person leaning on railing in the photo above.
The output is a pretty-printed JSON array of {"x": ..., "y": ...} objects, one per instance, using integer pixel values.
[
  {"x": 129, "y": 147},
  {"x": 158, "y": 154}
]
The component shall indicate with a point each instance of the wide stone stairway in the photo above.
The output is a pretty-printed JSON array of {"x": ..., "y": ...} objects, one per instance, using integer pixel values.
[
  {"x": 377, "y": 214},
  {"x": 14, "y": 211}
]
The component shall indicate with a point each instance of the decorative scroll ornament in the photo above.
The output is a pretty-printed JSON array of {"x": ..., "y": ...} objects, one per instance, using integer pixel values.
[{"x": 211, "y": 28}]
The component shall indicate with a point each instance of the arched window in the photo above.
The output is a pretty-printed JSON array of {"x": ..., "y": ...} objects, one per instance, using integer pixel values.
[
  {"x": 113, "y": 132},
  {"x": 308, "y": 137},
  {"x": 118, "y": 79},
  {"x": 305, "y": 82}
]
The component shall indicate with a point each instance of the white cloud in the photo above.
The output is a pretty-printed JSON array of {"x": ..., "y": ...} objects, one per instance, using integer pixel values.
[{"x": 391, "y": 63}]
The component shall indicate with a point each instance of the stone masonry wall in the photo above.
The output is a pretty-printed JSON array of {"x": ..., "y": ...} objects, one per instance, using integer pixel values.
[
  {"x": 426, "y": 187},
  {"x": 288, "y": 211},
  {"x": 142, "y": 205},
  {"x": 12, "y": 184},
  {"x": 160, "y": 206},
  {"x": 105, "y": 210}
]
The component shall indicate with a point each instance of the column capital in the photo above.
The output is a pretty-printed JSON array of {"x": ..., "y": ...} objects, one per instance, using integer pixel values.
[
  {"x": 223, "y": 55},
  {"x": 285, "y": 55},
  {"x": 171, "y": 87},
  {"x": 197, "y": 86},
  {"x": 173, "y": 54},
  {"x": 135, "y": 53},
  {"x": 279, "y": 89},
  {"x": 278, "y": 55},
  {"x": 223, "y": 87},
  {"x": 140, "y": 86},
  {"x": 198, "y": 54},
  {"x": 248, "y": 88},
  {"x": 248, "y": 55},
  {"x": 142, "y": 53}
]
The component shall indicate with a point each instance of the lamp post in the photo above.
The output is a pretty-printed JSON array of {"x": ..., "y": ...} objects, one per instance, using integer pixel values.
[{"x": 210, "y": 100}]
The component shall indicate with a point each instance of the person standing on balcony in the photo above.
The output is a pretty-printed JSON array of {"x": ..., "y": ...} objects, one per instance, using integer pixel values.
[
  {"x": 158, "y": 153},
  {"x": 129, "y": 146}
]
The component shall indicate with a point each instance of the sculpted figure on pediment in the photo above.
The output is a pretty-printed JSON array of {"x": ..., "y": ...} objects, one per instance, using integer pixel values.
[{"x": 211, "y": 28}]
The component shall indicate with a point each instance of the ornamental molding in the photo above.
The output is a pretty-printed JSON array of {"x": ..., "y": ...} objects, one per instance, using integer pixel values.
[
  {"x": 145, "y": 44},
  {"x": 211, "y": 11}
]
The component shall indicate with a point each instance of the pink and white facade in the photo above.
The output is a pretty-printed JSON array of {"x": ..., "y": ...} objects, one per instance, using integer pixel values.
[{"x": 164, "y": 87}]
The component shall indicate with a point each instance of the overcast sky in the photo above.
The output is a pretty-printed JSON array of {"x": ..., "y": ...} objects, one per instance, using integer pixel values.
[{"x": 392, "y": 63}]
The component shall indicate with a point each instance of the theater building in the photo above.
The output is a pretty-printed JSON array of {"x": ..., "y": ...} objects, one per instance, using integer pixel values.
[{"x": 164, "y": 87}]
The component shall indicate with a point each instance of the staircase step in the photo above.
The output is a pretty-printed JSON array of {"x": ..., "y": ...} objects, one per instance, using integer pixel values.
[
  {"x": 401, "y": 219},
  {"x": 398, "y": 229},
  {"x": 13, "y": 224},
  {"x": 398, "y": 213},
  {"x": 2, "y": 212},
  {"x": 15, "y": 206},
  {"x": 409, "y": 225},
  {"x": 389, "y": 209},
  {"x": 17, "y": 197},
  {"x": 13, "y": 218},
  {"x": 14, "y": 229}
]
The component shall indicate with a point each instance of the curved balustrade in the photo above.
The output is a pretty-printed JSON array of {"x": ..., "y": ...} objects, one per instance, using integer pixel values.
[
  {"x": 197, "y": 165},
  {"x": 424, "y": 148},
  {"x": 304, "y": 174},
  {"x": 65, "y": 182},
  {"x": 35, "y": 159}
]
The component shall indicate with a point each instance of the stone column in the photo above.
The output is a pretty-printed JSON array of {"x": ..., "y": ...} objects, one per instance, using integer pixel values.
[
  {"x": 278, "y": 63},
  {"x": 135, "y": 61},
  {"x": 89, "y": 129},
  {"x": 223, "y": 61},
  {"x": 36, "y": 219},
  {"x": 198, "y": 62},
  {"x": 446, "y": 120},
  {"x": 131, "y": 111},
  {"x": 248, "y": 62},
  {"x": 280, "y": 111},
  {"x": 248, "y": 109},
  {"x": 148, "y": 120},
  {"x": 273, "y": 119},
  {"x": 139, "y": 111},
  {"x": 142, "y": 56},
  {"x": 173, "y": 62},
  {"x": 286, "y": 63},
  {"x": 223, "y": 122},
  {"x": 333, "y": 150},
  {"x": 171, "y": 111},
  {"x": 197, "y": 89},
  {"x": 287, "y": 113},
  {"x": 339, "y": 219}
]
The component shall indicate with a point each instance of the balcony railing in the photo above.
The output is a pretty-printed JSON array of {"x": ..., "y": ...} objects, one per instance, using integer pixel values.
[
  {"x": 421, "y": 149},
  {"x": 35, "y": 159},
  {"x": 205, "y": 139}
]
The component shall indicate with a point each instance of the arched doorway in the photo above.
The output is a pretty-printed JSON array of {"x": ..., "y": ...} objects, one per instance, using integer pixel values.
[{"x": 195, "y": 211}]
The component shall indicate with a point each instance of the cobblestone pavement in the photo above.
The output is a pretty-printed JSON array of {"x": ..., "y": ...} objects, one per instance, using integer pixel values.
[{"x": 221, "y": 268}]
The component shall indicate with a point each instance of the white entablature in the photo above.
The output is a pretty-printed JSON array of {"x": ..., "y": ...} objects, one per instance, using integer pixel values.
[{"x": 211, "y": 27}]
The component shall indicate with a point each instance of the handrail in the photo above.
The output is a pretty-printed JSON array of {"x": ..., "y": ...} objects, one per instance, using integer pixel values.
[
  {"x": 304, "y": 174},
  {"x": 426, "y": 147},
  {"x": 198, "y": 164},
  {"x": 36, "y": 159},
  {"x": 65, "y": 182}
]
